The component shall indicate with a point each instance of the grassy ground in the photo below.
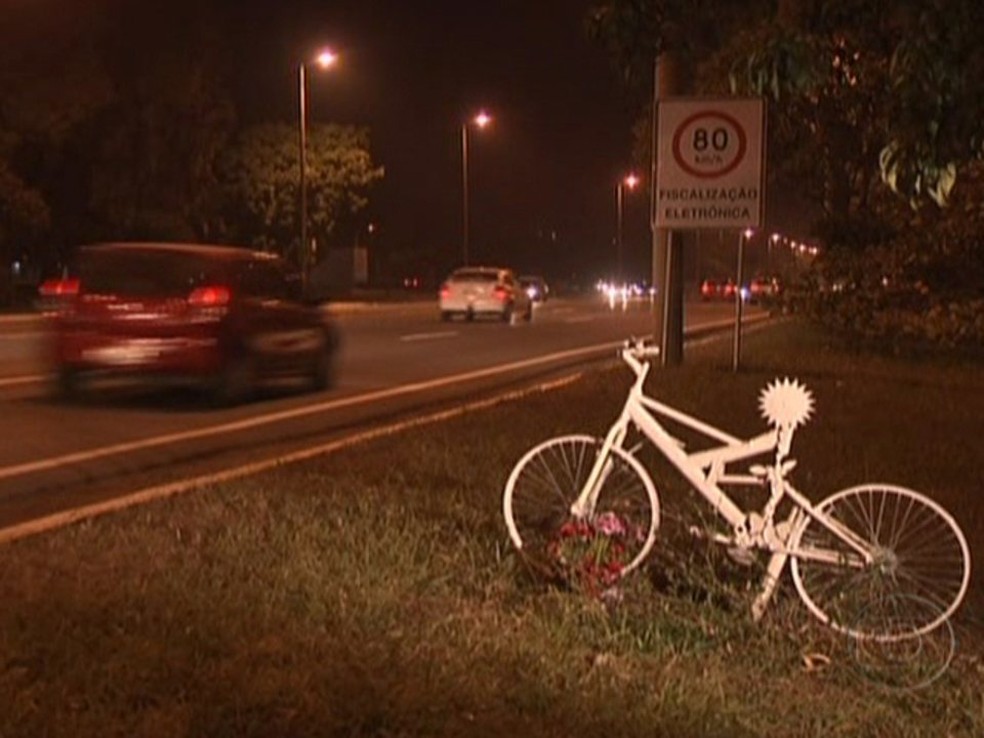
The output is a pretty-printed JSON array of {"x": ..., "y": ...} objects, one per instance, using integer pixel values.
[{"x": 372, "y": 592}]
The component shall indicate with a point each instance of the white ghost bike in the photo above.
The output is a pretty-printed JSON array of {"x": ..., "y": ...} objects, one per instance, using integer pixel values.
[{"x": 874, "y": 561}]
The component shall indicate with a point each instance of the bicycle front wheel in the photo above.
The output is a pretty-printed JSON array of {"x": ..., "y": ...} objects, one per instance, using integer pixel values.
[
  {"x": 609, "y": 540},
  {"x": 918, "y": 572}
]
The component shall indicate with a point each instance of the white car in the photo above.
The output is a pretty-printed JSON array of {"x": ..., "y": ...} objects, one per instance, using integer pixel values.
[{"x": 493, "y": 291}]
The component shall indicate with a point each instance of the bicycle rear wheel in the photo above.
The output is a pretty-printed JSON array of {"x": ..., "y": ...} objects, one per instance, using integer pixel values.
[
  {"x": 918, "y": 575},
  {"x": 610, "y": 540}
]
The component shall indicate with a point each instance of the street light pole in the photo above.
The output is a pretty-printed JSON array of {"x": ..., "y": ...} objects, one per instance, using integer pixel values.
[
  {"x": 481, "y": 120},
  {"x": 325, "y": 59},
  {"x": 464, "y": 193},
  {"x": 739, "y": 300},
  {"x": 618, "y": 230},
  {"x": 630, "y": 181},
  {"x": 302, "y": 158}
]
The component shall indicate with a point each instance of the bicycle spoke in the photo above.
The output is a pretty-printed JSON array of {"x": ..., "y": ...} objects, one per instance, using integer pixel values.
[
  {"x": 918, "y": 554},
  {"x": 612, "y": 538}
]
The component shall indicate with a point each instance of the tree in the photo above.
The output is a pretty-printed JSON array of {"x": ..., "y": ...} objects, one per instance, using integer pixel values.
[
  {"x": 23, "y": 217},
  {"x": 904, "y": 77},
  {"x": 156, "y": 145},
  {"x": 260, "y": 183},
  {"x": 867, "y": 89},
  {"x": 118, "y": 143},
  {"x": 47, "y": 92}
]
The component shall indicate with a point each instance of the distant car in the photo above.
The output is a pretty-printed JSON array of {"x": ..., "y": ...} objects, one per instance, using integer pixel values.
[
  {"x": 488, "y": 291},
  {"x": 536, "y": 287},
  {"x": 221, "y": 317},
  {"x": 763, "y": 289},
  {"x": 717, "y": 289}
]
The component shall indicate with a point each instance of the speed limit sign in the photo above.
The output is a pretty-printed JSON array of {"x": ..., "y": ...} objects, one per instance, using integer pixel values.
[{"x": 710, "y": 163}]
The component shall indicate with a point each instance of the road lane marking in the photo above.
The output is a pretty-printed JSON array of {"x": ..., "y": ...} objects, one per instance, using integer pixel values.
[
  {"x": 293, "y": 413},
  {"x": 170, "y": 489},
  {"x": 428, "y": 336},
  {"x": 28, "y": 379},
  {"x": 258, "y": 421},
  {"x": 22, "y": 335}
]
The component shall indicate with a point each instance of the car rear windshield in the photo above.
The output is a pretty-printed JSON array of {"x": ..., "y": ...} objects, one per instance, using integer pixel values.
[
  {"x": 144, "y": 273},
  {"x": 474, "y": 275}
]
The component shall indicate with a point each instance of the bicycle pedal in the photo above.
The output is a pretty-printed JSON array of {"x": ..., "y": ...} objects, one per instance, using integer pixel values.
[{"x": 741, "y": 556}]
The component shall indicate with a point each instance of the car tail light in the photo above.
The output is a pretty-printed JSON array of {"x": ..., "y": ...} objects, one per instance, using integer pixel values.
[
  {"x": 500, "y": 293},
  {"x": 67, "y": 287},
  {"x": 211, "y": 296},
  {"x": 445, "y": 290}
]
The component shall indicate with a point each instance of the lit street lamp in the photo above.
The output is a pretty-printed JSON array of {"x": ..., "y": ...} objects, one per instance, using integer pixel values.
[
  {"x": 630, "y": 181},
  {"x": 773, "y": 240},
  {"x": 324, "y": 60},
  {"x": 481, "y": 120}
]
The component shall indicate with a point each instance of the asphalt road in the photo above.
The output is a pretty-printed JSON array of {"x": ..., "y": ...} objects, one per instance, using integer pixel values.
[{"x": 396, "y": 360}]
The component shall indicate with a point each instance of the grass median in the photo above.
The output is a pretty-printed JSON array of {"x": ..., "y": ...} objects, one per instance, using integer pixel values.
[{"x": 372, "y": 592}]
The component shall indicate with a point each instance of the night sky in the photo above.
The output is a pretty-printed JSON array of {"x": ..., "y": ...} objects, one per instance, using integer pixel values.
[{"x": 542, "y": 178}]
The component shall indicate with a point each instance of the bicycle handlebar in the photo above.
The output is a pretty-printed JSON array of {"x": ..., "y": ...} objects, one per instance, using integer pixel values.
[
  {"x": 637, "y": 353},
  {"x": 639, "y": 349}
]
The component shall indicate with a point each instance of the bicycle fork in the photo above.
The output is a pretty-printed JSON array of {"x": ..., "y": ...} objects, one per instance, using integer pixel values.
[
  {"x": 584, "y": 505},
  {"x": 773, "y": 570}
]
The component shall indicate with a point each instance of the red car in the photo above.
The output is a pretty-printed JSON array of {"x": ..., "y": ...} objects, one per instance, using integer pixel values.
[
  {"x": 717, "y": 289},
  {"x": 764, "y": 289},
  {"x": 221, "y": 317}
]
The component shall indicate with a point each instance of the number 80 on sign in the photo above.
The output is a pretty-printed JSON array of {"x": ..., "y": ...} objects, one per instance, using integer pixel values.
[{"x": 709, "y": 144}]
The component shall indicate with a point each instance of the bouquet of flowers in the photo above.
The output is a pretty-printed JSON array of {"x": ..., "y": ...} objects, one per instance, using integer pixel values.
[{"x": 591, "y": 554}]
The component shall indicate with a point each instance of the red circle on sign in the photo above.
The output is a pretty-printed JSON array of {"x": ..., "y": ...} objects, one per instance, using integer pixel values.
[{"x": 727, "y": 166}]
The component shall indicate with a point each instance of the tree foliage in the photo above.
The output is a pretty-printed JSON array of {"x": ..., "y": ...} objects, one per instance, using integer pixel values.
[
  {"x": 875, "y": 114},
  {"x": 866, "y": 89},
  {"x": 260, "y": 181},
  {"x": 889, "y": 86},
  {"x": 122, "y": 125}
]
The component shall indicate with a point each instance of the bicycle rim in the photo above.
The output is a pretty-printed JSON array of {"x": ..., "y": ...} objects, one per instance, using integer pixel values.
[
  {"x": 617, "y": 533},
  {"x": 919, "y": 572}
]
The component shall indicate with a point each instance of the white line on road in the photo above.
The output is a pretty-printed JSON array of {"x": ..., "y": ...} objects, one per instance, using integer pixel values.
[
  {"x": 21, "y": 335},
  {"x": 581, "y": 319},
  {"x": 298, "y": 412},
  {"x": 67, "y": 517},
  {"x": 27, "y": 379},
  {"x": 15, "y": 470},
  {"x": 428, "y": 336}
]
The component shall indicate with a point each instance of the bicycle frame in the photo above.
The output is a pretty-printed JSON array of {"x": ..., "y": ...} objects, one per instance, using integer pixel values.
[{"x": 706, "y": 470}]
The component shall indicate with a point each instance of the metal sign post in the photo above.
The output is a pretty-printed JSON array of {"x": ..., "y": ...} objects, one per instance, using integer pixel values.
[{"x": 739, "y": 301}]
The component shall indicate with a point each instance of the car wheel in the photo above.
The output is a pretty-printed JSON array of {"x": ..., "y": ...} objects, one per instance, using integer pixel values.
[
  {"x": 445, "y": 316},
  {"x": 236, "y": 381},
  {"x": 507, "y": 313},
  {"x": 528, "y": 316}
]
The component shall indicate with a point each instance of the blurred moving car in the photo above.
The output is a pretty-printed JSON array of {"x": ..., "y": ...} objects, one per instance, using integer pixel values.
[
  {"x": 221, "y": 317},
  {"x": 55, "y": 293},
  {"x": 763, "y": 289},
  {"x": 536, "y": 287},
  {"x": 493, "y": 291},
  {"x": 717, "y": 289}
]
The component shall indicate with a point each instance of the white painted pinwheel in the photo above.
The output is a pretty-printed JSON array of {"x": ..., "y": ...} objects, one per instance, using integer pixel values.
[{"x": 785, "y": 403}]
